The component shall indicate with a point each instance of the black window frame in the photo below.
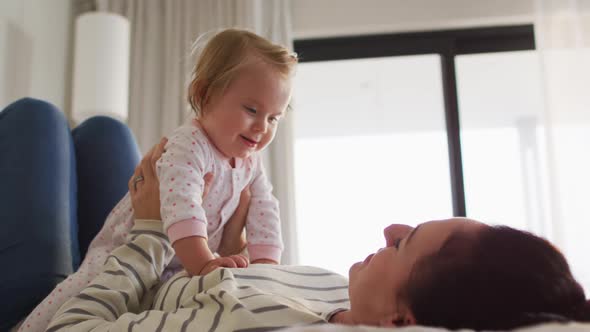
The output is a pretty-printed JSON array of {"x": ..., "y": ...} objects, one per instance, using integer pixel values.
[{"x": 446, "y": 43}]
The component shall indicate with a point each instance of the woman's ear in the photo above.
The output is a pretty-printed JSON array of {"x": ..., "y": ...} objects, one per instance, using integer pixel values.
[{"x": 403, "y": 319}]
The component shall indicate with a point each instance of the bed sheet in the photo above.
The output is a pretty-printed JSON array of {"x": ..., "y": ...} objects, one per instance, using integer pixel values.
[{"x": 550, "y": 327}]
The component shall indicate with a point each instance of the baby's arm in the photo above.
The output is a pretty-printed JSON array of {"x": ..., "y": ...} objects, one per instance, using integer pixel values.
[
  {"x": 233, "y": 241},
  {"x": 181, "y": 171},
  {"x": 193, "y": 253},
  {"x": 263, "y": 226},
  {"x": 199, "y": 259}
]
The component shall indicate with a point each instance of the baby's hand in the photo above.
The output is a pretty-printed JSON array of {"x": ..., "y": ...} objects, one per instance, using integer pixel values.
[{"x": 229, "y": 261}]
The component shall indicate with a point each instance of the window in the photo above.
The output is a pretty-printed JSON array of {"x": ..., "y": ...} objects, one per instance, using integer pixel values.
[
  {"x": 378, "y": 135},
  {"x": 500, "y": 102},
  {"x": 350, "y": 176}
]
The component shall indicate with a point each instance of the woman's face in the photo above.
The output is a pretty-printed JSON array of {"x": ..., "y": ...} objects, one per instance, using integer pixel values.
[{"x": 376, "y": 282}]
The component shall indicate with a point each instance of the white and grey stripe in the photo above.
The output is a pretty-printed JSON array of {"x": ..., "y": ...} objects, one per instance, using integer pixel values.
[
  {"x": 330, "y": 288},
  {"x": 259, "y": 298}
]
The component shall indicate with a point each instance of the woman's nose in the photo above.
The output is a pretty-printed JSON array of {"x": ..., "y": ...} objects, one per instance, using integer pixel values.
[{"x": 396, "y": 231}]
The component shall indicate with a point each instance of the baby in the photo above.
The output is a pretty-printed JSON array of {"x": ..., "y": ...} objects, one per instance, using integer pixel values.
[{"x": 240, "y": 90}]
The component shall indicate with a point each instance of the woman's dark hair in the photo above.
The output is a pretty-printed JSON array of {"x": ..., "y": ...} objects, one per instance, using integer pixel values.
[{"x": 498, "y": 279}]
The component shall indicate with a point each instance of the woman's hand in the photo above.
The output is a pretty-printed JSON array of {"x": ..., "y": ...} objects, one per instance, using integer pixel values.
[
  {"x": 233, "y": 240},
  {"x": 144, "y": 186}
]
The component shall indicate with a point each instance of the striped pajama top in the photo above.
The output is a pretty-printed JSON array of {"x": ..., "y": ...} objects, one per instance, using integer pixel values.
[{"x": 128, "y": 296}]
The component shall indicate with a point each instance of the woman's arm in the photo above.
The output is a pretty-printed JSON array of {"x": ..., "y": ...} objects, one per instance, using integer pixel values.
[
  {"x": 233, "y": 240},
  {"x": 263, "y": 227},
  {"x": 131, "y": 270},
  {"x": 111, "y": 300}
]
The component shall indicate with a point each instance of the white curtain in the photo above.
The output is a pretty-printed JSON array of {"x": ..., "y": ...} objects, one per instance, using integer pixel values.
[
  {"x": 162, "y": 33},
  {"x": 562, "y": 30}
]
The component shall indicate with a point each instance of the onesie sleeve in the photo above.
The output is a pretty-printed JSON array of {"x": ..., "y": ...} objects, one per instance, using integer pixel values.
[
  {"x": 263, "y": 225},
  {"x": 180, "y": 171}
]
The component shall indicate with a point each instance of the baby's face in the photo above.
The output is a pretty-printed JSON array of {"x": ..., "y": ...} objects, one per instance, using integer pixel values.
[{"x": 245, "y": 118}]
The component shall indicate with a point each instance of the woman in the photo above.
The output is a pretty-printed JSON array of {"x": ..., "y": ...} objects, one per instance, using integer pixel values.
[{"x": 455, "y": 273}]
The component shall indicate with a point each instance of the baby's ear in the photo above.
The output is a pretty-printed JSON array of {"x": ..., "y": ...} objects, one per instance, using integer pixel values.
[{"x": 198, "y": 91}]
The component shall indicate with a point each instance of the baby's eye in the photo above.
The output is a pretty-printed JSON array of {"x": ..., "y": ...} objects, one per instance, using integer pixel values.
[
  {"x": 273, "y": 119},
  {"x": 396, "y": 242},
  {"x": 250, "y": 109}
]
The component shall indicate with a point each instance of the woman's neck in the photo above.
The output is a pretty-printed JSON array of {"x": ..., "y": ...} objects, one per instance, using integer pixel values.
[
  {"x": 343, "y": 317},
  {"x": 347, "y": 317}
]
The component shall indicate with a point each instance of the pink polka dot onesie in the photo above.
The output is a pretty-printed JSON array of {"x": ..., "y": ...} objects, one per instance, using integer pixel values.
[{"x": 189, "y": 156}]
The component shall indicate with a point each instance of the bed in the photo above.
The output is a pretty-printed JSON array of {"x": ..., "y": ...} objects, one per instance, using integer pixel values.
[{"x": 572, "y": 327}]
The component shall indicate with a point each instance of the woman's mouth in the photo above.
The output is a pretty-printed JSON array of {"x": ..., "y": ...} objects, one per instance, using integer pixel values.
[{"x": 368, "y": 259}]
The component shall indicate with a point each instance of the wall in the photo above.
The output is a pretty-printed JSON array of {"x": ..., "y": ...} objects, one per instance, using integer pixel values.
[
  {"x": 326, "y": 18},
  {"x": 35, "y": 50},
  {"x": 35, "y": 35}
]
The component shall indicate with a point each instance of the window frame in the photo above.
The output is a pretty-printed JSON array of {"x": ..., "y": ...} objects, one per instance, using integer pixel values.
[{"x": 447, "y": 44}]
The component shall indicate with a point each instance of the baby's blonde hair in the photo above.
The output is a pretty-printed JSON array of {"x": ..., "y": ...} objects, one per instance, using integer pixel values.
[{"x": 224, "y": 55}]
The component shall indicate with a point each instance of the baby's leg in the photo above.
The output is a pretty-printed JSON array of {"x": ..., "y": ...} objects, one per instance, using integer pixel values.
[
  {"x": 106, "y": 154},
  {"x": 112, "y": 235},
  {"x": 71, "y": 286}
]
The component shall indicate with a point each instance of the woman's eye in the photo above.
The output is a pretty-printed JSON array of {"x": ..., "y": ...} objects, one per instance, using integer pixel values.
[
  {"x": 273, "y": 120},
  {"x": 396, "y": 242}
]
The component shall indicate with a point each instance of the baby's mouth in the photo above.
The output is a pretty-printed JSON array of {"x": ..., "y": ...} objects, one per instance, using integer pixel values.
[{"x": 249, "y": 142}]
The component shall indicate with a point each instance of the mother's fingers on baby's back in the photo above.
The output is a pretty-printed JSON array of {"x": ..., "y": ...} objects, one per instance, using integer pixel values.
[
  {"x": 158, "y": 150},
  {"x": 131, "y": 182},
  {"x": 147, "y": 165},
  {"x": 208, "y": 180},
  {"x": 141, "y": 167},
  {"x": 246, "y": 195}
]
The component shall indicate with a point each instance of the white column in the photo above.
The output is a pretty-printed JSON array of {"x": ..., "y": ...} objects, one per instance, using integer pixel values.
[{"x": 100, "y": 83}]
